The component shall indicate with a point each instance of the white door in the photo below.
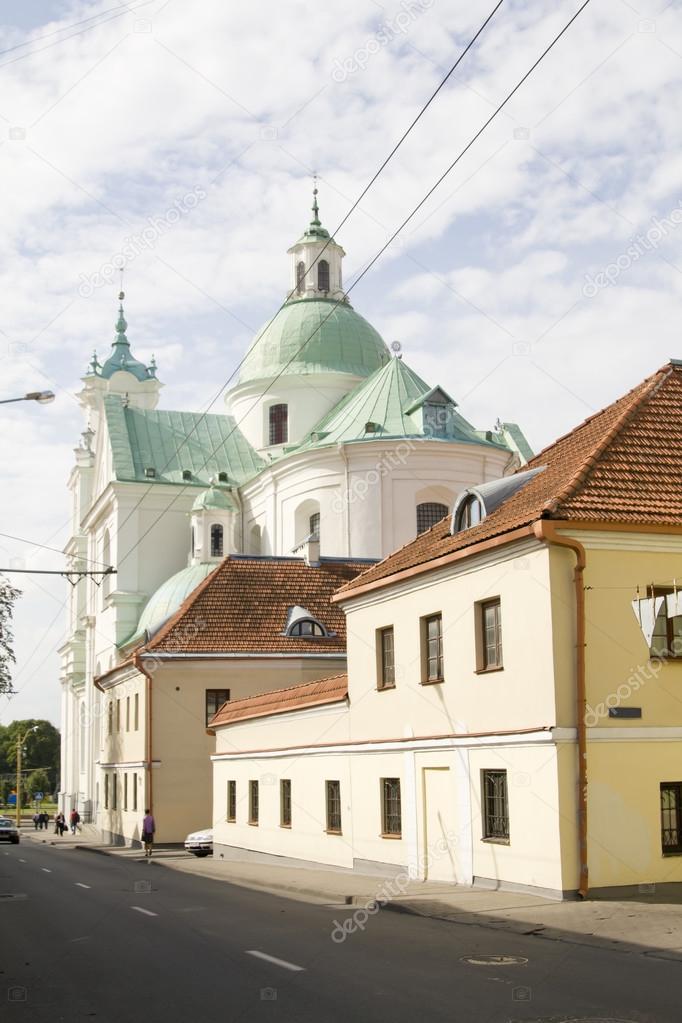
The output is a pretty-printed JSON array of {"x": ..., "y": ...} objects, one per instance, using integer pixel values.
[{"x": 440, "y": 825}]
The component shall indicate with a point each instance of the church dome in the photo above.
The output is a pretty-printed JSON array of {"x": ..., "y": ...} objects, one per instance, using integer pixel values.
[
  {"x": 341, "y": 341},
  {"x": 213, "y": 499},
  {"x": 169, "y": 597}
]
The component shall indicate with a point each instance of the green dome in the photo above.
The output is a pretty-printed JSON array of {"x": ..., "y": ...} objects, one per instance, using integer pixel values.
[
  {"x": 341, "y": 341},
  {"x": 169, "y": 596},
  {"x": 213, "y": 498}
]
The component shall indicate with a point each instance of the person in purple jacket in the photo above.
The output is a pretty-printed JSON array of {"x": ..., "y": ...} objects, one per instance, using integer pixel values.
[{"x": 148, "y": 829}]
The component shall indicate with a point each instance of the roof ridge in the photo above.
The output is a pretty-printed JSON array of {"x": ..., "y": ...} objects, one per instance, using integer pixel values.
[{"x": 647, "y": 389}]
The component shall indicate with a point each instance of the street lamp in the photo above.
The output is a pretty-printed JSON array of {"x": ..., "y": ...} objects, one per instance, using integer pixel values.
[
  {"x": 20, "y": 746},
  {"x": 42, "y": 397}
]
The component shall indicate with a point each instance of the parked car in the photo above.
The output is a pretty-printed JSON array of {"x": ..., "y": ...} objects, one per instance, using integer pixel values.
[
  {"x": 8, "y": 831},
  {"x": 200, "y": 842}
]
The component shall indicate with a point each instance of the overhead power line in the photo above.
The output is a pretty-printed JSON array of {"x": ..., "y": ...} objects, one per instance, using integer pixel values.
[{"x": 376, "y": 257}]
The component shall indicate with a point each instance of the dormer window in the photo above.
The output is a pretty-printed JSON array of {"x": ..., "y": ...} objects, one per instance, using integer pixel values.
[
  {"x": 469, "y": 513},
  {"x": 216, "y": 541},
  {"x": 323, "y": 275},
  {"x": 302, "y": 624},
  {"x": 300, "y": 278},
  {"x": 279, "y": 424}
]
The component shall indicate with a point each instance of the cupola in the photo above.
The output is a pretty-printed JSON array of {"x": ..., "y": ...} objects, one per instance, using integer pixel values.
[{"x": 213, "y": 521}]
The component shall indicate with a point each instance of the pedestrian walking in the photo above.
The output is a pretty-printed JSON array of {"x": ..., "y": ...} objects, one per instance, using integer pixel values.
[
  {"x": 44, "y": 820},
  {"x": 36, "y": 821},
  {"x": 74, "y": 820},
  {"x": 60, "y": 824},
  {"x": 148, "y": 829}
]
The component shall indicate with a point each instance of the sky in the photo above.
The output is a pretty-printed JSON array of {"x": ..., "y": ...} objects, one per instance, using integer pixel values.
[{"x": 540, "y": 281}]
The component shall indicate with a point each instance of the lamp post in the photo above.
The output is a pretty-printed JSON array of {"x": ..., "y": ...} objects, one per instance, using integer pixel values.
[
  {"x": 42, "y": 397},
  {"x": 20, "y": 746}
]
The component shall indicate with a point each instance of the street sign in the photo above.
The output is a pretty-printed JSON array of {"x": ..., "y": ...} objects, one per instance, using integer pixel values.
[
  {"x": 12, "y": 799},
  {"x": 38, "y": 796}
]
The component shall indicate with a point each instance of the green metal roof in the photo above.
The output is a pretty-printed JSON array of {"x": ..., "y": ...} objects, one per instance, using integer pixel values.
[
  {"x": 172, "y": 443},
  {"x": 383, "y": 403},
  {"x": 121, "y": 358},
  {"x": 315, "y": 335},
  {"x": 167, "y": 599},
  {"x": 214, "y": 498}
]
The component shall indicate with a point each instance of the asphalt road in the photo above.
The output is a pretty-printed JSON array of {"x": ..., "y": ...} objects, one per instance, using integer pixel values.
[{"x": 91, "y": 937}]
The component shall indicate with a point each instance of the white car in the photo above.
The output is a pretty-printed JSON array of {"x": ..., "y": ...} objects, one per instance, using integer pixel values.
[
  {"x": 8, "y": 831},
  {"x": 200, "y": 842}
]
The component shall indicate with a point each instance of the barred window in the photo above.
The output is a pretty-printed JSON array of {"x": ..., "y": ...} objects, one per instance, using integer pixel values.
[
  {"x": 386, "y": 658},
  {"x": 231, "y": 801},
  {"x": 333, "y": 789},
  {"x": 495, "y": 806},
  {"x": 215, "y": 698},
  {"x": 432, "y": 648},
  {"x": 323, "y": 275},
  {"x": 429, "y": 513},
  {"x": 216, "y": 541},
  {"x": 300, "y": 278},
  {"x": 285, "y": 802},
  {"x": 279, "y": 424},
  {"x": 391, "y": 816},
  {"x": 253, "y": 802},
  {"x": 671, "y": 816}
]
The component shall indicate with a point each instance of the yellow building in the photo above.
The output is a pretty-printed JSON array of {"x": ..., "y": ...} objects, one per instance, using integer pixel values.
[{"x": 513, "y": 709}]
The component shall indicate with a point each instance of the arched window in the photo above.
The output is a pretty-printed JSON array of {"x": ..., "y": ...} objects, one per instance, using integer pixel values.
[
  {"x": 429, "y": 513},
  {"x": 216, "y": 541},
  {"x": 307, "y": 627},
  {"x": 323, "y": 275},
  {"x": 314, "y": 525},
  {"x": 279, "y": 424},
  {"x": 470, "y": 513},
  {"x": 300, "y": 278}
]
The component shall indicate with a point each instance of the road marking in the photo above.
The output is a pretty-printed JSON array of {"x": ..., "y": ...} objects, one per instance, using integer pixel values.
[
  {"x": 21, "y": 861},
  {"x": 147, "y": 912},
  {"x": 46, "y": 869},
  {"x": 273, "y": 959},
  {"x": 78, "y": 884}
]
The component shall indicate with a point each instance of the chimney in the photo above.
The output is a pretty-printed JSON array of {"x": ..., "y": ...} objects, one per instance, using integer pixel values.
[{"x": 311, "y": 551}]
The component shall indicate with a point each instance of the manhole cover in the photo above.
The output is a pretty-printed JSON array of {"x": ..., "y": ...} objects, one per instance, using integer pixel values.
[{"x": 494, "y": 960}]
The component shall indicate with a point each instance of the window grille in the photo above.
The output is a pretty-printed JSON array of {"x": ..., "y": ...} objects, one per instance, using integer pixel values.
[
  {"x": 253, "y": 802},
  {"x": 495, "y": 806},
  {"x": 215, "y": 698},
  {"x": 232, "y": 801},
  {"x": 285, "y": 802},
  {"x": 279, "y": 424},
  {"x": 429, "y": 513},
  {"x": 334, "y": 807},
  {"x": 391, "y": 816},
  {"x": 314, "y": 525},
  {"x": 671, "y": 816},
  {"x": 216, "y": 541}
]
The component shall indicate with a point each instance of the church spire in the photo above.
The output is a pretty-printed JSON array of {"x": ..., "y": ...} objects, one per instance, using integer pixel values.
[
  {"x": 315, "y": 222},
  {"x": 122, "y": 358}
]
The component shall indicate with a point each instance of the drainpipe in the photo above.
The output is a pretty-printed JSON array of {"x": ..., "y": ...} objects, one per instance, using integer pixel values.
[
  {"x": 546, "y": 531},
  {"x": 137, "y": 661}
]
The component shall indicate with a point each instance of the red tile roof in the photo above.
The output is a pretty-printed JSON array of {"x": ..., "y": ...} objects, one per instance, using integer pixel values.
[
  {"x": 622, "y": 465},
  {"x": 280, "y": 701},
  {"x": 242, "y": 607}
]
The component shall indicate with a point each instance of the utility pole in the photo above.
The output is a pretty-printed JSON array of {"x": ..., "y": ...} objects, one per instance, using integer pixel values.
[{"x": 20, "y": 749}]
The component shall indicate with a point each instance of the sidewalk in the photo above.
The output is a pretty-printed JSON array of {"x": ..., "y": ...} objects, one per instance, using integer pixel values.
[{"x": 651, "y": 924}]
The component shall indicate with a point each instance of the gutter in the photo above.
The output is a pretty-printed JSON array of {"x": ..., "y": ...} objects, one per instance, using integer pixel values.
[
  {"x": 546, "y": 531},
  {"x": 137, "y": 661}
]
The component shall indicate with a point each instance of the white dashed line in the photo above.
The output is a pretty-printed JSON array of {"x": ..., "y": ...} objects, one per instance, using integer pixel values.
[
  {"x": 46, "y": 869},
  {"x": 273, "y": 959},
  {"x": 147, "y": 912},
  {"x": 21, "y": 861},
  {"x": 78, "y": 884}
]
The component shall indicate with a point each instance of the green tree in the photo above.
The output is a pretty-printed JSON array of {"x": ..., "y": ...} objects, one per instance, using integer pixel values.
[
  {"x": 8, "y": 596},
  {"x": 39, "y": 781},
  {"x": 41, "y": 748}
]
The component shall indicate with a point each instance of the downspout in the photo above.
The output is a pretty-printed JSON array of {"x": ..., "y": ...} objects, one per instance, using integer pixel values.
[
  {"x": 137, "y": 661},
  {"x": 546, "y": 531}
]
